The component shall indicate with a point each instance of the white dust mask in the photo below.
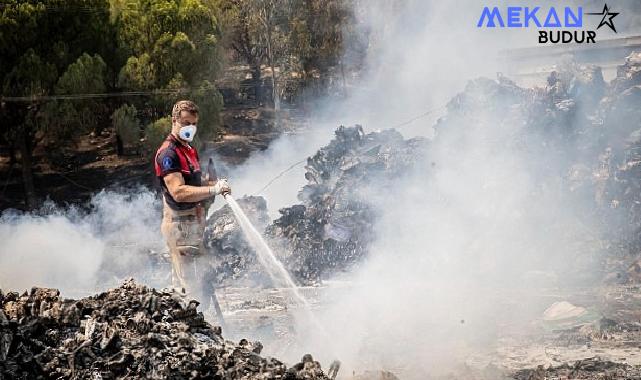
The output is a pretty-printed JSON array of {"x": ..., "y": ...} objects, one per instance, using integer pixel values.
[{"x": 187, "y": 132}]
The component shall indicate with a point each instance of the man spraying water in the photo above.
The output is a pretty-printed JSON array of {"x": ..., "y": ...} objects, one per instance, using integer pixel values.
[{"x": 185, "y": 188}]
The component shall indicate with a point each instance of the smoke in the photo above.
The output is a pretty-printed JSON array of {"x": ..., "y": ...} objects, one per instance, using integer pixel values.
[
  {"x": 278, "y": 172},
  {"x": 422, "y": 53},
  {"x": 48, "y": 251},
  {"x": 408, "y": 71},
  {"x": 419, "y": 55},
  {"x": 468, "y": 242},
  {"x": 81, "y": 250},
  {"x": 458, "y": 239},
  {"x": 460, "y": 244}
]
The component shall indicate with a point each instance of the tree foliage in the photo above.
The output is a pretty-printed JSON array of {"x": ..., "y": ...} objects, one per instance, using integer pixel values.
[
  {"x": 173, "y": 46},
  {"x": 62, "y": 56},
  {"x": 127, "y": 126},
  {"x": 138, "y": 74},
  {"x": 156, "y": 132},
  {"x": 307, "y": 38},
  {"x": 30, "y": 76},
  {"x": 71, "y": 66},
  {"x": 85, "y": 76},
  {"x": 176, "y": 37}
]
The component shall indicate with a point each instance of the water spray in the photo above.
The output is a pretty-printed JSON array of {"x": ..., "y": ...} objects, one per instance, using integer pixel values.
[
  {"x": 268, "y": 260},
  {"x": 266, "y": 256},
  {"x": 274, "y": 267}
]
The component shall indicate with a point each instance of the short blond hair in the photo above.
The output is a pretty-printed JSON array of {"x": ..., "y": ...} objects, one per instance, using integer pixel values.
[{"x": 184, "y": 105}]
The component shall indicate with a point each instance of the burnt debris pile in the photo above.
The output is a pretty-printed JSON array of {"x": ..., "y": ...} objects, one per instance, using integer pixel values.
[
  {"x": 128, "y": 332},
  {"x": 234, "y": 260},
  {"x": 588, "y": 369},
  {"x": 331, "y": 228},
  {"x": 576, "y": 135},
  {"x": 620, "y": 163}
]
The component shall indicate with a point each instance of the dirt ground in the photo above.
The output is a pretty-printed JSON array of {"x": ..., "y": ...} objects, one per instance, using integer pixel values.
[
  {"x": 605, "y": 344},
  {"x": 77, "y": 173},
  {"x": 92, "y": 164}
]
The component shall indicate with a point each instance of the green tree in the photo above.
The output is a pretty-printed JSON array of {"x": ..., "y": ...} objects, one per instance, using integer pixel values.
[
  {"x": 256, "y": 31},
  {"x": 271, "y": 13},
  {"x": 320, "y": 31},
  {"x": 30, "y": 77},
  {"x": 210, "y": 103},
  {"x": 85, "y": 76},
  {"x": 59, "y": 31},
  {"x": 308, "y": 37},
  {"x": 178, "y": 36},
  {"x": 174, "y": 49},
  {"x": 38, "y": 40},
  {"x": 127, "y": 126},
  {"x": 156, "y": 132},
  {"x": 242, "y": 34},
  {"x": 68, "y": 118},
  {"x": 137, "y": 74}
]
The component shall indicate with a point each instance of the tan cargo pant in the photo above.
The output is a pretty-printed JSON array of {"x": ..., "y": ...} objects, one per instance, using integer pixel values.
[{"x": 183, "y": 232}]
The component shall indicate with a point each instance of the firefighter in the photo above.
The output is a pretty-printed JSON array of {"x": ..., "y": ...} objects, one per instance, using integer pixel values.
[{"x": 184, "y": 189}]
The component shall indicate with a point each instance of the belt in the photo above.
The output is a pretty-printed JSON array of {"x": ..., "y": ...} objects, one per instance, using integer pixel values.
[
  {"x": 188, "y": 215},
  {"x": 183, "y": 218}
]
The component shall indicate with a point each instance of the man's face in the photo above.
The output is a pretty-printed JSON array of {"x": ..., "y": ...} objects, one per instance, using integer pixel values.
[{"x": 185, "y": 118}]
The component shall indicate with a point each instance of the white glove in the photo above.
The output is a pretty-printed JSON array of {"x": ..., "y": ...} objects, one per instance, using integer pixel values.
[{"x": 221, "y": 187}]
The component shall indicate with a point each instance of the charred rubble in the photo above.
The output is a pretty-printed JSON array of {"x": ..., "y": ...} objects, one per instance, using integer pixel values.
[
  {"x": 235, "y": 261},
  {"x": 331, "y": 228},
  {"x": 581, "y": 137},
  {"x": 128, "y": 332},
  {"x": 579, "y": 133},
  {"x": 576, "y": 128},
  {"x": 587, "y": 369}
]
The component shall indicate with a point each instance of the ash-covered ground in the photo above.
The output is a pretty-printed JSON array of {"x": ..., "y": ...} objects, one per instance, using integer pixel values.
[
  {"x": 570, "y": 242},
  {"x": 578, "y": 137},
  {"x": 128, "y": 332}
]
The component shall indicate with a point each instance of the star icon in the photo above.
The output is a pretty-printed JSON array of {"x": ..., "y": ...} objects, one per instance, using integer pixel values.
[{"x": 607, "y": 18}]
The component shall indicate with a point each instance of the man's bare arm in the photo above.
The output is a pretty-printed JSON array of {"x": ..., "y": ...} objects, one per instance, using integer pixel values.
[{"x": 185, "y": 193}]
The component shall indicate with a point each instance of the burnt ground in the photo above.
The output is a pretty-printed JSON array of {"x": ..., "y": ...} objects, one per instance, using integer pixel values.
[
  {"x": 74, "y": 175},
  {"x": 605, "y": 345},
  {"x": 601, "y": 340}
]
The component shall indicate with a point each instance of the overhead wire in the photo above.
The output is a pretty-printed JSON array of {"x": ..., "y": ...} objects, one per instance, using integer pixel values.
[
  {"x": 399, "y": 125},
  {"x": 297, "y": 163},
  {"x": 35, "y": 98}
]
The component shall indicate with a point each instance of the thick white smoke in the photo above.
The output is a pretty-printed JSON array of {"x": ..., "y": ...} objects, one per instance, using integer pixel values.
[
  {"x": 451, "y": 238},
  {"x": 409, "y": 71},
  {"x": 80, "y": 251},
  {"x": 468, "y": 242},
  {"x": 460, "y": 245},
  {"x": 48, "y": 251}
]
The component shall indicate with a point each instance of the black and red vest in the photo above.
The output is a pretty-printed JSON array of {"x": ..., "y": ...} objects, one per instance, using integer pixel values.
[{"x": 173, "y": 157}]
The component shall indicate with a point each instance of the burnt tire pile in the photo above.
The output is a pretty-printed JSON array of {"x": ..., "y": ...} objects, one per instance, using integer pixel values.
[
  {"x": 331, "y": 228},
  {"x": 128, "y": 332},
  {"x": 586, "y": 369},
  {"x": 578, "y": 134},
  {"x": 234, "y": 260}
]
